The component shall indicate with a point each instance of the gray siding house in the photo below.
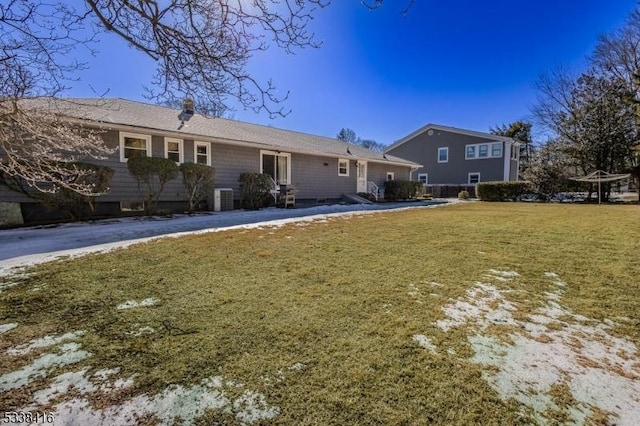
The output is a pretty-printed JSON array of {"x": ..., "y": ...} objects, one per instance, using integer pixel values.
[
  {"x": 318, "y": 168},
  {"x": 452, "y": 156}
]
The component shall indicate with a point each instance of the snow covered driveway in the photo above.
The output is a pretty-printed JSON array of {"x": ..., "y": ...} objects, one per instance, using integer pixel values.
[{"x": 28, "y": 246}]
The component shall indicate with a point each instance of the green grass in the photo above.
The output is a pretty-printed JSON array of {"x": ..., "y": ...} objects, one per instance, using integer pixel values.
[{"x": 335, "y": 297}]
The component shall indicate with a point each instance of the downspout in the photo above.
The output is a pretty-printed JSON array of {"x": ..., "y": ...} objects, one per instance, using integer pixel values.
[{"x": 413, "y": 169}]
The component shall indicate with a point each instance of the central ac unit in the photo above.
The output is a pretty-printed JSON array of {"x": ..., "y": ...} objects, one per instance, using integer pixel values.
[{"x": 222, "y": 199}]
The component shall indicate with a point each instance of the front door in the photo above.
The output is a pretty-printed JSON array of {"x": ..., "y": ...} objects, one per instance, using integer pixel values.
[{"x": 362, "y": 176}]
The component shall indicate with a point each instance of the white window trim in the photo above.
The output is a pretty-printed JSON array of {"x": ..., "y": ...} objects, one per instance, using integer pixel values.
[
  {"x": 180, "y": 148},
  {"x": 426, "y": 178},
  {"x": 195, "y": 151},
  {"x": 281, "y": 154},
  {"x": 392, "y": 174},
  {"x": 446, "y": 148},
  {"x": 477, "y": 151},
  {"x": 340, "y": 160},
  {"x": 491, "y": 150},
  {"x": 469, "y": 177},
  {"x": 136, "y": 136}
]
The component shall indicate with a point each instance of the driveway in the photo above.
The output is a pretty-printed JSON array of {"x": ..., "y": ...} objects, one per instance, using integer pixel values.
[{"x": 28, "y": 246}]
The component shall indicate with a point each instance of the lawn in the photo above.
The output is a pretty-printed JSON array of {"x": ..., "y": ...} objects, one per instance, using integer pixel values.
[{"x": 480, "y": 313}]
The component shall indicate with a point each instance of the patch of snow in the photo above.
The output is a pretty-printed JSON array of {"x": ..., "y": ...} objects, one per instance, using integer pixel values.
[
  {"x": 69, "y": 353},
  {"x": 506, "y": 274},
  {"x": 142, "y": 331},
  {"x": 298, "y": 366},
  {"x": 62, "y": 384},
  {"x": 44, "y": 342},
  {"x": 477, "y": 307},
  {"x": 129, "y": 304},
  {"x": 425, "y": 342},
  {"x": 600, "y": 370},
  {"x": 252, "y": 407},
  {"x": 176, "y": 404},
  {"x": 6, "y": 327},
  {"x": 435, "y": 284}
]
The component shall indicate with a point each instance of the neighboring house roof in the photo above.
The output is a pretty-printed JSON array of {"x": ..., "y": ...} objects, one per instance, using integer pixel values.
[
  {"x": 452, "y": 130},
  {"x": 117, "y": 112}
]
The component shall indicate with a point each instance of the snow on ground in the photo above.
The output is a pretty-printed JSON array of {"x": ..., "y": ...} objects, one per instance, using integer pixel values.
[
  {"x": 424, "y": 342},
  {"x": 23, "y": 247},
  {"x": 130, "y": 304},
  {"x": 554, "y": 347},
  {"x": 67, "y": 395},
  {"x": 6, "y": 327}
]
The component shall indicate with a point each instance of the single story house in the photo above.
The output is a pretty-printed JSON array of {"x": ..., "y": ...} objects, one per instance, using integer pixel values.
[
  {"x": 318, "y": 168},
  {"x": 452, "y": 156}
]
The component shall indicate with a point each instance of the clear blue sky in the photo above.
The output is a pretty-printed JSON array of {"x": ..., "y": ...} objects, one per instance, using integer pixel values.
[{"x": 461, "y": 63}]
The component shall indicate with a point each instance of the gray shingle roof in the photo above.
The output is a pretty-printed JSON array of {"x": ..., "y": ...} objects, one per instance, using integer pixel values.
[
  {"x": 123, "y": 112},
  {"x": 452, "y": 130}
]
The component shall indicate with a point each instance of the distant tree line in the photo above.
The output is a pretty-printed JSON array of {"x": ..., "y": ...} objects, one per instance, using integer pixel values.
[
  {"x": 592, "y": 118},
  {"x": 349, "y": 136}
]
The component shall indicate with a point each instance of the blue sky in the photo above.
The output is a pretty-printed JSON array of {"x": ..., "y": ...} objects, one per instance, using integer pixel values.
[{"x": 460, "y": 63}]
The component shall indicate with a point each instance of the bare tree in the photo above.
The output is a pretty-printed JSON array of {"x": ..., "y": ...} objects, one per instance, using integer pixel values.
[{"x": 201, "y": 48}]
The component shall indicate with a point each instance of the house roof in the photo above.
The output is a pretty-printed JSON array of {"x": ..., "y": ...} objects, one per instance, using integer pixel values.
[
  {"x": 117, "y": 112},
  {"x": 452, "y": 130}
]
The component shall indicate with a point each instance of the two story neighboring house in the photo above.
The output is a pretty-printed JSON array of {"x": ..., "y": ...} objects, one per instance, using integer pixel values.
[{"x": 452, "y": 156}]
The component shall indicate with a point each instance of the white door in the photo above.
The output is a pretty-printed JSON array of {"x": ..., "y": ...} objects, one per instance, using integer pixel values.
[{"x": 362, "y": 176}]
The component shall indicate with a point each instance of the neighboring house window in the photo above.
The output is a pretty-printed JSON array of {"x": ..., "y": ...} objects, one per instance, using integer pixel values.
[
  {"x": 443, "y": 155},
  {"x": 471, "y": 152},
  {"x": 202, "y": 153},
  {"x": 343, "y": 167},
  {"x": 474, "y": 178},
  {"x": 391, "y": 175},
  {"x": 277, "y": 165},
  {"x": 173, "y": 149},
  {"x": 134, "y": 145},
  {"x": 423, "y": 178},
  {"x": 496, "y": 150},
  {"x": 514, "y": 152},
  {"x": 483, "y": 150}
]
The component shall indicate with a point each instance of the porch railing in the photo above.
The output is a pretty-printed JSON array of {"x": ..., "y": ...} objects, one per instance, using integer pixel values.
[{"x": 374, "y": 189}]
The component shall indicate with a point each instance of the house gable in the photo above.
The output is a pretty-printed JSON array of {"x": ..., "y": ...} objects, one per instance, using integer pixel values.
[{"x": 467, "y": 152}]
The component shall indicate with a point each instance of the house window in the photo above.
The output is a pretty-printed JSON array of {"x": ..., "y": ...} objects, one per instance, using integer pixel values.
[
  {"x": 134, "y": 145},
  {"x": 474, "y": 178},
  {"x": 496, "y": 150},
  {"x": 173, "y": 149},
  {"x": 471, "y": 152},
  {"x": 391, "y": 175},
  {"x": 423, "y": 178},
  {"x": 276, "y": 165},
  {"x": 343, "y": 167},
  {"x": 443, "y": 155},
  {"x": 514, "y": 152},
  {"x": 202, "y": 153},
  {"x": 483, "y": 150}
]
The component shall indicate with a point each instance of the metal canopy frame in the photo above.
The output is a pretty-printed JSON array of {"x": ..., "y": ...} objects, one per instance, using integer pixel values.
[{"x": 600, "y": 176}]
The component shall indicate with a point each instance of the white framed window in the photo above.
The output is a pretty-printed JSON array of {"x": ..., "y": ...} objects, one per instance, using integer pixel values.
[
  {"x": 483, "y": 150},
  {"x": 277, "y": 165},
  {"x": 470, "y": 153},
  {"x": 443, "y": 155},
  {"x": 202, "y": 153},
  {"x": 496, "y": 150},
  {"x": 391, "y": 175},
  {"x": 423, "y": 178},
  {"x": 473, "y": 178},
  {"x": 174, "y": 149},
  {"x": 514, "y": 152},
  {"x": 134, "y": 145},
  {"x": 343, "y": 167}
]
